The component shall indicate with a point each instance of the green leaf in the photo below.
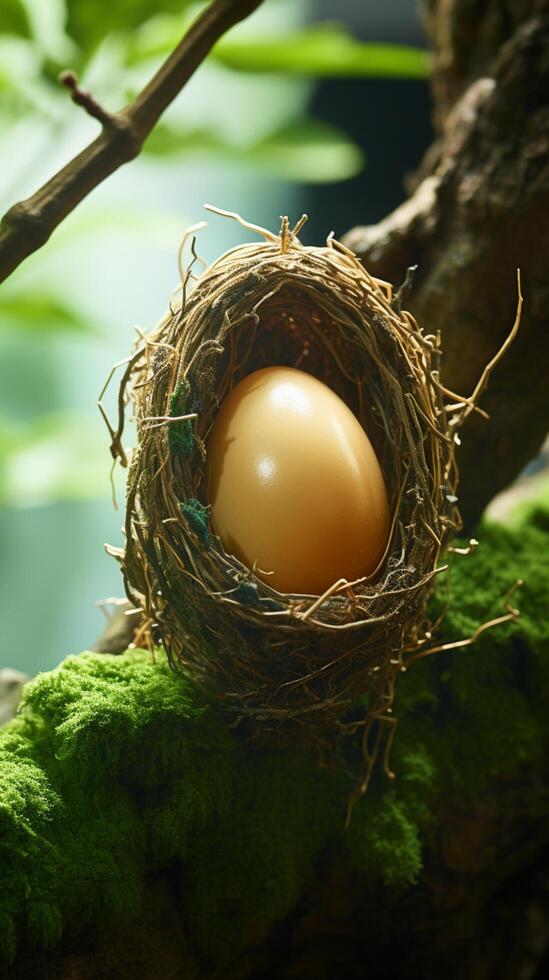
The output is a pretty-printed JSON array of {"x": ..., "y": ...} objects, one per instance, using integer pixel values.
[
  {"x": 13, "y": 18},
  {"x": 307, "y": 151},
  {"x": 41, "y": 313},
  {"x": 321, "y": 51},
  {"x": 46, "y": 20},
  {"x": 24, "y": 87},
  {"x": 310, "y": 152},
  {"x": 19, "y": 63},
  {"x": 89, "y": 21},
  {"x": 166, "y": 140},
  {"x": 325, "y": 50},
  {"x": 155, "y": 38},
  {"x": 53, "y": 458}
]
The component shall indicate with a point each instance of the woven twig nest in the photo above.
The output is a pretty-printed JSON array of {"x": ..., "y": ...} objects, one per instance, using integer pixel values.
[{"x": 286, "y": 663}]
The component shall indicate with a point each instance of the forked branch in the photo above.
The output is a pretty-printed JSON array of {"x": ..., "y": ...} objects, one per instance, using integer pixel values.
[{"x": 29, "y": 224}]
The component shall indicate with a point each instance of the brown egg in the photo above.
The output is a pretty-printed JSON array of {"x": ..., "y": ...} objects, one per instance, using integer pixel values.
[{"x": 294, "y": 484}]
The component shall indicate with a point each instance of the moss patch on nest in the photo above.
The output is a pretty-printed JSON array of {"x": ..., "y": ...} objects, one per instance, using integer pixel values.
[
  {"x": 180, "y": 434},
  {"x": 116, "y": 767}
]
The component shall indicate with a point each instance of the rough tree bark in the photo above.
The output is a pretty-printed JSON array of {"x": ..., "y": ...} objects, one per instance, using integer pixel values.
[{"x": 480, "y": 210}]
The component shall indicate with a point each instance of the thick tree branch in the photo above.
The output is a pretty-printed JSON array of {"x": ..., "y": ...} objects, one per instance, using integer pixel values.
[
  {"x": 467, "y": 37},
  {"x": 28, "y": 224},
  {"x": 479, "y": 212}
]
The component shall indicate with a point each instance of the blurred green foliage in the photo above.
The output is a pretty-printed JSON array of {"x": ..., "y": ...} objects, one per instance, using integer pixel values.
[
  {"x": 319, "y": 51},
  {"x": 41, "y": 312},
  {"x": 325, "y": 50},
  {"x": 90, "y": 21},
  {"x": 307, "y": 147},
  {"x": 53, "y": 457},
  {"x": 118, "y": 44},
  {"x": 13, "y": 18}
]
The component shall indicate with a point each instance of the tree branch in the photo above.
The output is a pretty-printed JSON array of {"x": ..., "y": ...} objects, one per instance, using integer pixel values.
[
  {"x": 480, "y": 211},
  {"x": 29, "y": 224}
]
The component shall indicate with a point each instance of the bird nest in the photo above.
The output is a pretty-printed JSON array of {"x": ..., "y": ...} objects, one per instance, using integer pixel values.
[{"x": 286, "y": 664}]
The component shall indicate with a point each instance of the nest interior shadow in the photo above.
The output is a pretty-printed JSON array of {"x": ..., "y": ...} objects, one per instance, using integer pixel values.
[{"x": 282, "y": 663}]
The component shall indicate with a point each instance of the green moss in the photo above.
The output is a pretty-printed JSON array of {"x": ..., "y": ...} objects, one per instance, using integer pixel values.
[
  {"x": 386, "y": 840},
  {"x": 180, "y": 434},
  {"x": 246, "y": 594},
  {"x": 198, "y": 516},
  {"x": 250, "y": 868},
  {"x": 102, "y": 775},
  {"x": 116, "y": 767},
  {"x": 481, "y": 709}
]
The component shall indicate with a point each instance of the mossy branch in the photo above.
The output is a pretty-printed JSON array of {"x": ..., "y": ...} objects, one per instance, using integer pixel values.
[
  {"x": 29, "y": 223},
  {"x": 118, "y": 778}
]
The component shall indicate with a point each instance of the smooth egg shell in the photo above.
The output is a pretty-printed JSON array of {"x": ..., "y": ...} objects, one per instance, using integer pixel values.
[{"x": 294, "y": 483}]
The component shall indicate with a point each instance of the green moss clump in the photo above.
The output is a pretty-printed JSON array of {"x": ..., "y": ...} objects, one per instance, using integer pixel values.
[
  {"x": 116, "y": 767},
  {"x": 387, "y": 840},
  {"x": 198, "y": 516},
  {"x": 481, "y": 710},
  {"x": 102, "y": 775},
  {"x": 246, "y": 593}
]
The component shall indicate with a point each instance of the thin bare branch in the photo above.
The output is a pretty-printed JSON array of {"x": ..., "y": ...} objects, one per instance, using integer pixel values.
[{"x": 85, "y": 99}]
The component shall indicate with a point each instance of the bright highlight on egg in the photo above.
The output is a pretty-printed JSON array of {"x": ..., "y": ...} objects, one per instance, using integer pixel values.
[{"x": 295, "y": 487}]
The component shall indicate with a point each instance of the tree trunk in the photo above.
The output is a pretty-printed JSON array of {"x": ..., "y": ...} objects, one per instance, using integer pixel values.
[{"x": 480, "y": 211}]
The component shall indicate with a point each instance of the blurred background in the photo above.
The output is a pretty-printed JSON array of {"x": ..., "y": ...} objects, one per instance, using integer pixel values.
[{"x": 310, "y": 105}]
